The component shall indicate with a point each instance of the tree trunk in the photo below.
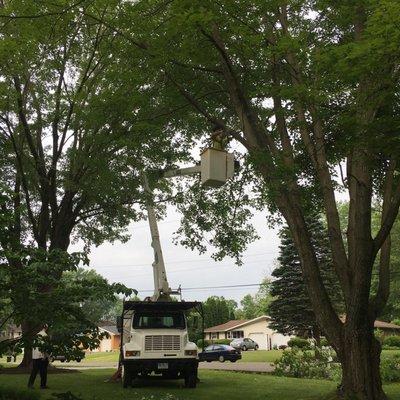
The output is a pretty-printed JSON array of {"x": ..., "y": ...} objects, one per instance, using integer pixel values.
[
  {"x": 360, "y": 361},
  {"x": 26, "y": 362}
]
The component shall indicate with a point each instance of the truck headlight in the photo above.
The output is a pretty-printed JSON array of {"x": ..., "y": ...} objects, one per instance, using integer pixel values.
[
  {"x": 190, "y": 352},
  {"x": 132, "y": 353}
]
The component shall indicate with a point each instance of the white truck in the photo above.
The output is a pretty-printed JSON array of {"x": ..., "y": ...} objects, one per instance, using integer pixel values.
[
  {"x": 155, "y": 342},
  {"x": 154, "y": 333}
]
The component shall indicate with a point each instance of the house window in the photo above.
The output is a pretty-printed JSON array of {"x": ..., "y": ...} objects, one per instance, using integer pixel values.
[
  {"x": 237, "y": 334},
  {"x": 215, "y": 335}
]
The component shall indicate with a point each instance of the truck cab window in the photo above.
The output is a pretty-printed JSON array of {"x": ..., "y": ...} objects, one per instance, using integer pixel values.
[{"x": 159, "y": 321}]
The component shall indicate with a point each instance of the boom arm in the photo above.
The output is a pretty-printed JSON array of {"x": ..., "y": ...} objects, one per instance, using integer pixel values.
[
  {"x": 216, "y": 167},
  {"x": 162, "y": 290}
]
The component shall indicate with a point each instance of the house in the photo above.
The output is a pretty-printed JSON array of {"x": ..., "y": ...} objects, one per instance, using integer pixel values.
[
  {"x": 257, "y": 329},
  {"x": 10, "y": 332},
  {"x": 112, "y": 342},
  {"x": 387, "y": 328}
]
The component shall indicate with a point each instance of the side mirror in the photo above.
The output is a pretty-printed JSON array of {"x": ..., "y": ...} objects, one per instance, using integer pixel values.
[{"x": 119, "y": 324}]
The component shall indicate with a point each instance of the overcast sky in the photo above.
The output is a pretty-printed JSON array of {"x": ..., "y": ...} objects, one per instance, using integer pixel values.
[{"x": 130, "y": 263}]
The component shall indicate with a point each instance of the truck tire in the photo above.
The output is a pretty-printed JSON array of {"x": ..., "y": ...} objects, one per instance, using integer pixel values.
[
  {"x": 191, "y": 380},
  {"x": 126, "y": 378}
]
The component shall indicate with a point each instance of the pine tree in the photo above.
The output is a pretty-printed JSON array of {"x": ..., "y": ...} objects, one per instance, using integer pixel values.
[{"x": 291, "y": 311}]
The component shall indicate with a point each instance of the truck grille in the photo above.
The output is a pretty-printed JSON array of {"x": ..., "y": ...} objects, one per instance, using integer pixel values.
[{"x": 162, "y": 342}]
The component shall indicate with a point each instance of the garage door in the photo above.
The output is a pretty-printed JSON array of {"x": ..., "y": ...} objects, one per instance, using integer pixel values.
[{"x": 260, "y": 338}]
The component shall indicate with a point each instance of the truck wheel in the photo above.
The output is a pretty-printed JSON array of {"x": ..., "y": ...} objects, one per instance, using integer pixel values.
[
  {"x": 170, "y": 375},
  {"x": 126, "y": 378},
  {"x": 191, "y": 380}
]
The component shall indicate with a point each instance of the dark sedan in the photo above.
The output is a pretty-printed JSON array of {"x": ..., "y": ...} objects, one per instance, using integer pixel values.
[{"x": 219, "y": 352}]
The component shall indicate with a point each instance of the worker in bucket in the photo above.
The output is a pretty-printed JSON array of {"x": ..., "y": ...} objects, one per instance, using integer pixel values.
[{"x": 40, "y": 362}]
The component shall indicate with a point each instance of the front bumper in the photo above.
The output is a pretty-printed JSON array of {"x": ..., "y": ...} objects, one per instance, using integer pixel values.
[{"x": 175, "y": 365}]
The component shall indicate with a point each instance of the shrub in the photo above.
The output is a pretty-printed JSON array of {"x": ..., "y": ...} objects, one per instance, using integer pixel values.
[
  {"x": 379, "y": 335},
  {"x": 300, "y": 363},
  {"x": 18, "y": 394},
  {"x": 391, "y": 341},
  {"x": 390, "y": 368},
  {"x": 214, "y": 341},
  {"x": 324, "y": 343},
  {"x": 299, "y": 343}
]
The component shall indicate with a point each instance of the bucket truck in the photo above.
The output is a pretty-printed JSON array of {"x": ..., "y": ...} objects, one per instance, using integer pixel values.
[{"x": 154, "y": 332}]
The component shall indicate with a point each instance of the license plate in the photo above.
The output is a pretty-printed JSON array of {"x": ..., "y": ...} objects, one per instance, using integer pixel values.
[{"x": 162, "y": 365}]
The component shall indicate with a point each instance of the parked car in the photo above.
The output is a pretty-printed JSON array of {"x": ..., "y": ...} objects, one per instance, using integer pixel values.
[
  {"x": 244, "y": 344},
  {"x": 58, "y": 358},
  {"x": 220, "y": 352},
  {"x": 63, "y": 359}
]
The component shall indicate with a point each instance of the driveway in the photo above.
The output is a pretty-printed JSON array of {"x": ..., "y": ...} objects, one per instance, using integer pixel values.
[{"x": 257, "y": 367}]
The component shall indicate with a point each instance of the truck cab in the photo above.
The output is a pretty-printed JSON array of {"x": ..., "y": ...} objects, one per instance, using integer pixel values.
[{"x": 154, "y": 341}]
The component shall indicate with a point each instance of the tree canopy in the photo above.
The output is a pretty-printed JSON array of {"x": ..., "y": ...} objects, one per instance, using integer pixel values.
[{"x": 308, "y": 90}]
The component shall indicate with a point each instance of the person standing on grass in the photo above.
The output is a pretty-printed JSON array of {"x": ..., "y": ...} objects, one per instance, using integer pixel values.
[{"x": 40, "y": 362}]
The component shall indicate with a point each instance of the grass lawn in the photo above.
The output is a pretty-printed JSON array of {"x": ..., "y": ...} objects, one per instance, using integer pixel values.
[
  {"x": 90, "y": 385},
  {"x": 261, "y": 355},
  {"x": 101, "y": 357}
]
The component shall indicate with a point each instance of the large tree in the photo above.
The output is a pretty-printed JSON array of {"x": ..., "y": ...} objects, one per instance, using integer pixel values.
[
  {"x": 256, "y": 305},
  {"x": 218, "y": 310},
  {"x": 307, "y": 88},
  {"x": 76, "y": 132}
]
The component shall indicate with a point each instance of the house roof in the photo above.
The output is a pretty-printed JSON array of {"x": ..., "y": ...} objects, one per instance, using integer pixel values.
[
  {"x": 377, "y": 324},
  {"x": 234, "y": 324},
  {"x": 385, "y": 325},
  {"x": 226, "y": 326},
  {"x": 111, "y": 329}
]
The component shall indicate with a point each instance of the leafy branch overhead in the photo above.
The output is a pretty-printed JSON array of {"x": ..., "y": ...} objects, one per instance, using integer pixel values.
[{"x": 220, "y": 218}]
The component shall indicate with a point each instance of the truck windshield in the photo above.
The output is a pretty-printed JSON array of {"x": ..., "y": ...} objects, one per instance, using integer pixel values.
[{"x": 158, "y": 321}]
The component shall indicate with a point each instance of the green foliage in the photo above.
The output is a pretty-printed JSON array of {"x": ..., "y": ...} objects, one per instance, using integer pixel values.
[
  {"x": 206, "y": 343},
  {"x": 218, "y": 218},
  {"x": 392, "y": 308},
  {"x": 392, "y": 341},
  {"x": 291, "y": 310},
  {"x": 77, "y": 128},
  {"x": 73, "y": 325},
  {"x": 253, "y": 306},
  {"x": 218, "y": 310},
  {"x": 324, "y": 342},
  {"x": 390, "y": 368},
  {"x": 298, "y": 363},
  {"x": 7, "y": 393},
  {"x": 299, "y": 343},
  {"x": 301, "y": 363}
]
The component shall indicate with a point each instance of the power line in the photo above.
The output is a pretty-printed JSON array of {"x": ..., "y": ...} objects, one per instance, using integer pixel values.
[
  {"x": 177, "y": 261},
  {"x": 211, "y": 287},
  {"x": 182, "y": 270}
]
